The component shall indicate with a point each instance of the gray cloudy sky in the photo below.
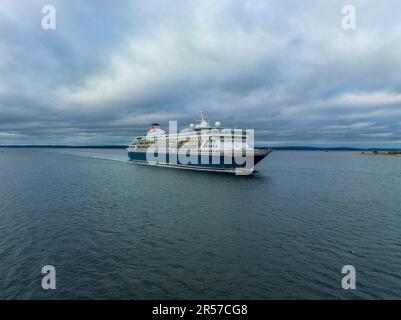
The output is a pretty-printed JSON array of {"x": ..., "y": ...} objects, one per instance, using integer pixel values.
[{"x": 286, "y": 68}]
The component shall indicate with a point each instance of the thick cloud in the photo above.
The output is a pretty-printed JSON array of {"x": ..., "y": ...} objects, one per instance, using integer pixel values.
[{"x": 286, "y": 68}]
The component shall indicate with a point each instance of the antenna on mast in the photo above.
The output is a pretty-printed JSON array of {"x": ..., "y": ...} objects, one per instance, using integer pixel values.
[{"x": 203, "y": 122}]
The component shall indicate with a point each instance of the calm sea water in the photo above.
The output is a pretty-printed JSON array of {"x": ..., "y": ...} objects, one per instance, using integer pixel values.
[{"x": 117, "y": 230}]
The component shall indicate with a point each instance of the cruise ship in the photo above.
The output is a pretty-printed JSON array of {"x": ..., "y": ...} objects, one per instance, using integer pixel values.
[{"x": 198, "y": 147}]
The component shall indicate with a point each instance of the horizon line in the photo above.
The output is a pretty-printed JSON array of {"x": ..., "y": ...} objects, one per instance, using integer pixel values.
[{"x": 289, "y": 147}]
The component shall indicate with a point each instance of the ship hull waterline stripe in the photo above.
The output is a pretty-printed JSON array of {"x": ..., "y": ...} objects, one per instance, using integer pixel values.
[{"x": 185, "y": 167}]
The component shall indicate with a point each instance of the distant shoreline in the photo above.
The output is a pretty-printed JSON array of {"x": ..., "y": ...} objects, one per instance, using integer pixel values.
[
  {"x": 369, "y": 151},
  {"x": 380, "y": 153}
]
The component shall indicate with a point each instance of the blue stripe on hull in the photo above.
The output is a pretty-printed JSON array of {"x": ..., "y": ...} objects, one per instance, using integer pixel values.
[{"x": 208, "y": 161}]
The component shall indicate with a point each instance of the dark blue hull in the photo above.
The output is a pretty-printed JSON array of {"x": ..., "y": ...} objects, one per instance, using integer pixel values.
[{"x": 204, "y": 162}]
